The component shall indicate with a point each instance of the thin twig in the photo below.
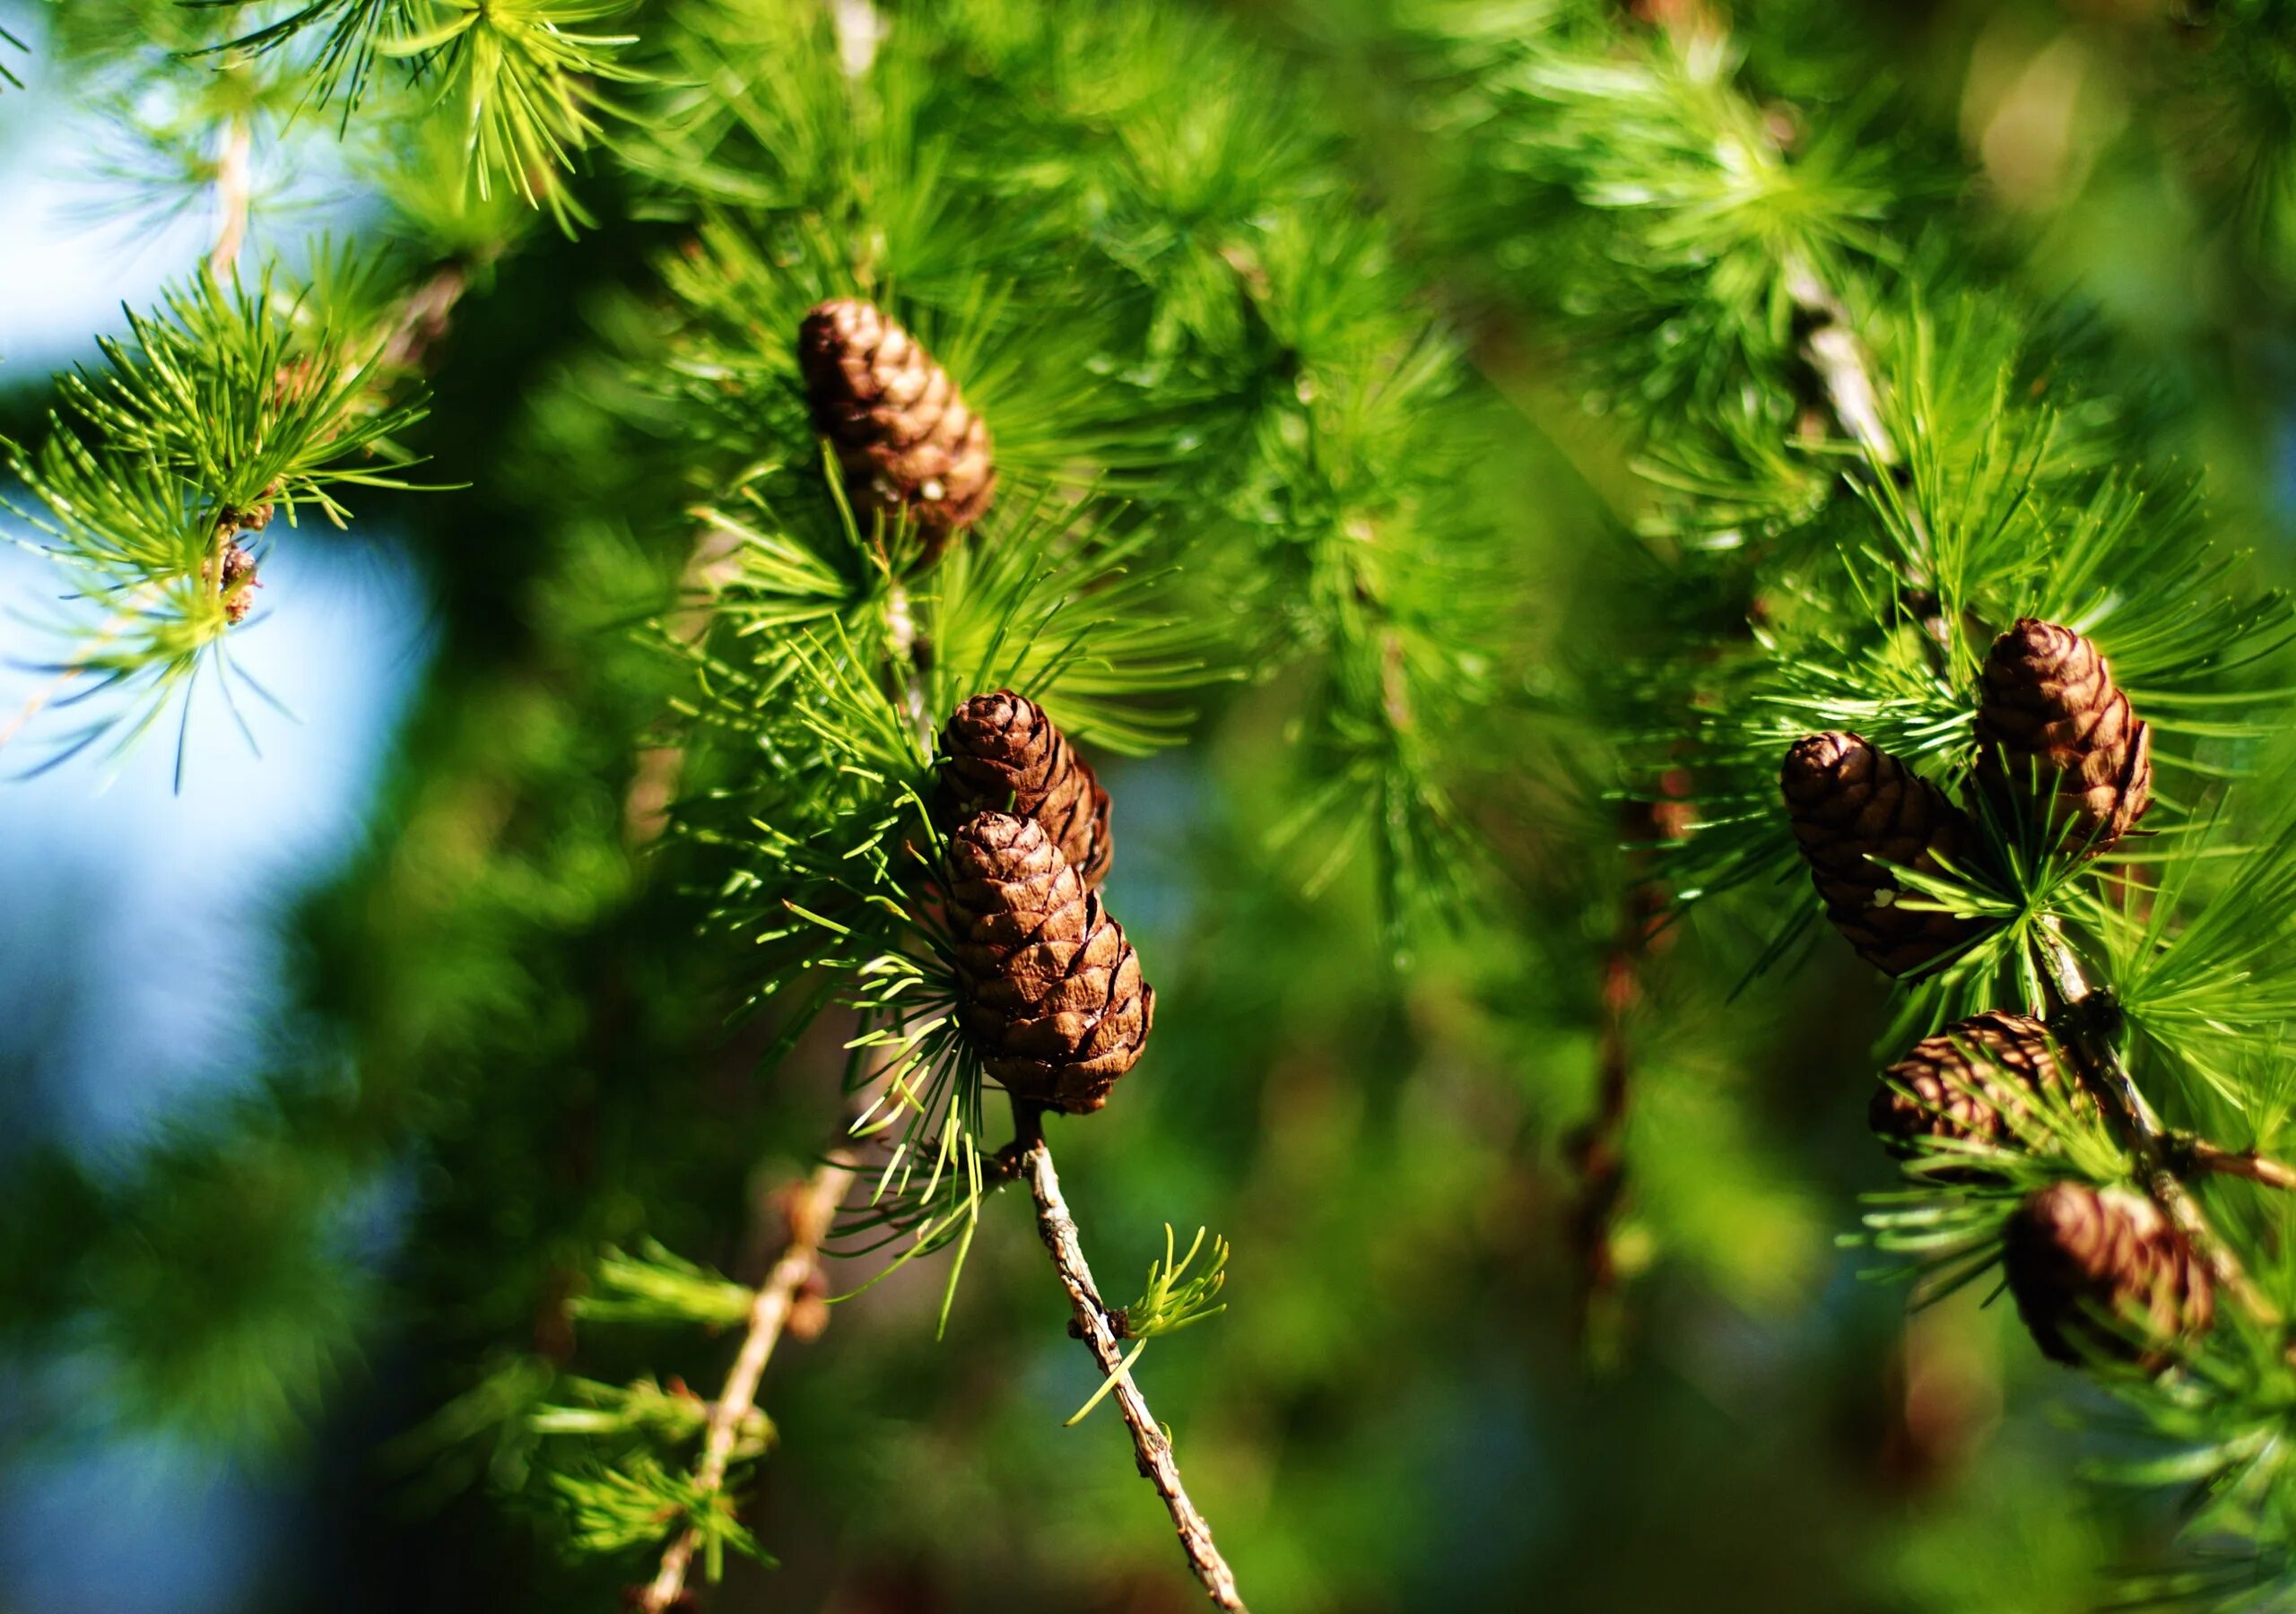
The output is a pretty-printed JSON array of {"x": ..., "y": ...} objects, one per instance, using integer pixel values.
[
  {"x": 710, "y": 565},
  {"x": 1831, "y": 347},
  {"x": 1031, "y": 1158},
  {"x": 1829, "y": 344},
  {"x": 1598, "y": 1147},
  {"x": 900, "y": 635},
  {"x": 859, "y": 31},
  {"x": 423, "y": 319},
  {"x": 810, "y": 1212},
  {"x": 2198, "y": 1154},
  {"x": 234, "y": 195},
  {"x": 2088, "y": 1027}
]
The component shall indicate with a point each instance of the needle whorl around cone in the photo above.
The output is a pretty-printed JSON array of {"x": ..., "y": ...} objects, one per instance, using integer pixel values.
[
  {"x": 2099, "y": 1273},
  {"x": 1974, "y": 1082}
]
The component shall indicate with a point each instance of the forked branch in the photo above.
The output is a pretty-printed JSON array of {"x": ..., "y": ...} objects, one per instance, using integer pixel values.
[
  {"x": 1029, "y": 1157},
  {"x": 810, "y": 1212},
  {"x": 2088, "y": 1025}
]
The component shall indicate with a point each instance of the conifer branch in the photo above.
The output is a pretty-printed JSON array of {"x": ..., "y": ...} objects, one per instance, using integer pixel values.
[
  {"x": 1830, "y": 343},
  {"x": 810, "y": 1213},
  {"x": 1837, "y": 358},
  {"x": 1029, "y": 1156},
  {"x": 1598, "y": 1147},
  {"x": 2189, "y": 1155},
  {"x": 423, "y": 317},
  {"x": 234, "y": 195},
  {"x": 2088, "y": 1023},
  {"x": 1832, "y": 349}
]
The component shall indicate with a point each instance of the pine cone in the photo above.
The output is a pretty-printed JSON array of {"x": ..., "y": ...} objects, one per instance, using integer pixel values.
[
  {"x": 2050, "y": 719},
  {"x": 899, "y": 428},
  {"x": 1050, "y": 991},
  {"x": 1850, "y": 803},
  {"x": 1002, "y": 754},
  {"x": 2101, "y": 1273},
  {"x": 238, "y": 582},
  {"x": 1971, "y": 1082}
]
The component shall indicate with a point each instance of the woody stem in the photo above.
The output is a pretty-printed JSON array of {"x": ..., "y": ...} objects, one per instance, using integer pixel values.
[
  {"x": 810, "y": 1213},
  {"x": 2088, "y": 1021},
  {"x": 1029, "y": 1156}
]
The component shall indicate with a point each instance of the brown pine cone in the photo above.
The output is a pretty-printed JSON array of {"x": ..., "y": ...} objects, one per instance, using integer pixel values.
[
  {"x": 1051, "y": 992},
  {"x": 1850, "y": 803},
  {"x": 1002, "y": 754},
  {"x": 2050, "y": 720},
  {"x": 2100, "y": 1273},
  {"x": 1971, "y": 1082},
  {"x": 900, "y": 429},
  {"x": 238, "y": 582}
]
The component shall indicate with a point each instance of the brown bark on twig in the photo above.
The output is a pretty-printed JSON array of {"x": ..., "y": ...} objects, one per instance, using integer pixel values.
[
  {"x": 1831, "y": 347},
  {"x": 2087, "y": 1024},
  {"x": 2190, "y": 1155},
  {"x": 234, "y": 196},
  {"x": 1598, "y": 1147},
  {"x": 810, "y": 1211},
  {"x": 1029, "y": 1157},
  {"x": 423, "y": 317}
]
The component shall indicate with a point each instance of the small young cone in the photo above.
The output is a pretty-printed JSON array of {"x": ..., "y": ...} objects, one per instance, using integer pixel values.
[
  {"x": 2099, "y": 1273},
  {"x": 900, "y": 428},
  {"x": 1851, "y": 802},
  {"x": 238, "y": 582},
  {"x": 2050, "y": 720},
  {"x": 1002, "y": 754},
  {"x": 1972, "y": 1082},
  {"x": 1051, "y": 992}
]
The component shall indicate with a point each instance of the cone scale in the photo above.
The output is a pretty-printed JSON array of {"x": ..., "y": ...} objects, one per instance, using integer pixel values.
[
  {"x": 2098, "y": 1274},
  {"x": 1973, "y": 1082}
]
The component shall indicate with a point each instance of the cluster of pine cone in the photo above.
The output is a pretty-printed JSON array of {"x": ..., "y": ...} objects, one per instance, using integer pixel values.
[
  {"x": 2054, "y": 732},
  {"x": 2098, "y": 1273},
  {"x": 1049, "y": 991},
  {"x": 908, "y": 444}
]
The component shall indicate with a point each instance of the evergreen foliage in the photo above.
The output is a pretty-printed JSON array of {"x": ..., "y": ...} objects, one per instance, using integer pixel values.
[{"x": 1446, "y": 453}]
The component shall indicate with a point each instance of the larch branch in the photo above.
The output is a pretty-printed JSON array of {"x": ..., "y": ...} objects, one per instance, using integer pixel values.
[
  {"x": 810, "y": 1212},
  {"x": 234, "y": 196},
  {"x": 2087, "y": 1026},
  {"x": 2199, "y": 1154},
  {"x": 1832, "y": 350},
  {"x": 1150, "y": 1443}
]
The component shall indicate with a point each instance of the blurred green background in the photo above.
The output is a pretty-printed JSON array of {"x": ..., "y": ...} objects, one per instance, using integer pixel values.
[{"x": 323, "y": 1076}]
